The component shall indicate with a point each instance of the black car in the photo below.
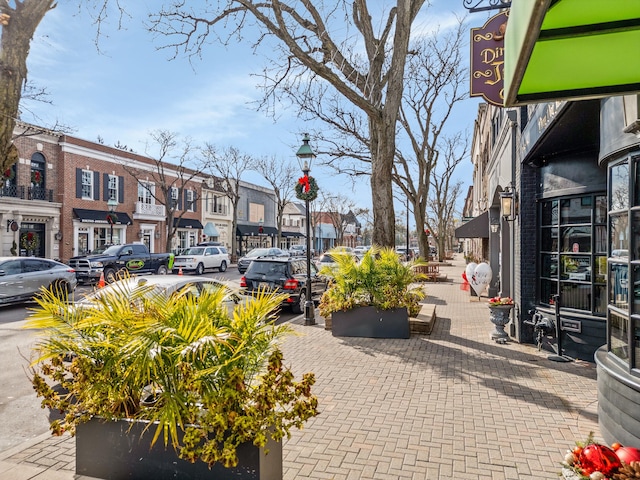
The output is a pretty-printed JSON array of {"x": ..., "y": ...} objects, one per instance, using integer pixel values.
[
  {"x": 287, "y": 275},
  {"x": 245, "y": 261}
]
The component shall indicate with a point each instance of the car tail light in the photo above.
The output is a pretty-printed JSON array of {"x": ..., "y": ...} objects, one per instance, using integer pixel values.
[
  {"x": 71, "y": 270},
  {"x": 291, "y": 284},
  {"x": 243, "y": 282}
]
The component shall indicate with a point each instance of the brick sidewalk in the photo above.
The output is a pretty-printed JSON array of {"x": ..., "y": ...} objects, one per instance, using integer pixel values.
[{"x": 450, "y": 405}]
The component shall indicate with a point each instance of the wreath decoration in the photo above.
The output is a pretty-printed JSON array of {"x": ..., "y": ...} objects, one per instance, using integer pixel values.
[
  {"x": 36, "y": 177},
  {"x": 8, "y": 174},
  {"x": 307, "y": 188},
  {"x": 30, "y": 241},
  {"x": 112, "y": 218}
]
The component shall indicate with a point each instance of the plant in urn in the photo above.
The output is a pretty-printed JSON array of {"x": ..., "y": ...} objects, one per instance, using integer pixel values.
[{"x": 500, "y": 314}]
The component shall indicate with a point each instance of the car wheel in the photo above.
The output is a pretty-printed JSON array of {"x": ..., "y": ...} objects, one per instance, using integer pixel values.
[
  {"x": 223, "y": 266},
  {"x": 200, "y": 269},
  {"x": 162, "y": 270},
  {"x": 110, "y": 275},
  {"x": 60, "y": 289},
  {"x": 299, "y": 306}
]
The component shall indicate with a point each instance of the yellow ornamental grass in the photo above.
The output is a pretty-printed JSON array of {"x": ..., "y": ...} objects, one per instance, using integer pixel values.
[{"x": 210, "y": 379}]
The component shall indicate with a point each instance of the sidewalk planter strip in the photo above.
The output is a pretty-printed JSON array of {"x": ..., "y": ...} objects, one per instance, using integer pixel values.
[
  {"x": 114, "y": 450},
  {"x": 371, "y": 322}
]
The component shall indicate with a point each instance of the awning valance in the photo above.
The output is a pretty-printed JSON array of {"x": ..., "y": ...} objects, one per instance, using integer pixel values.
[
  {"x": 477, "y": 227},
  {"x": 253, "y": 231},
  {"x": 100, "y": 216},
  {"x": 292, "y": 234},
  {"x": 210, "y": 230},
  {"x": 187, "y": 223},
  {"x": 569, "y": 49}
]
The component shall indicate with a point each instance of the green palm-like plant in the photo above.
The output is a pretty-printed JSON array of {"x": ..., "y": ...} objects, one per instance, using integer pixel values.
[
  {"x": 380, "y": 279},
  {"x": 210, "y": 379}
]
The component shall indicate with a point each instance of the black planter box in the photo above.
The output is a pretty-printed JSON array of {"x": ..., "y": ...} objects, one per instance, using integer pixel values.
[
  {"x": 371, "y": 322},
  {"x": 112, "y": 451}
]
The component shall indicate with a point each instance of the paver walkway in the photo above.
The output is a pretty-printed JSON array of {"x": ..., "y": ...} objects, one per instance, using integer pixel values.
[{"x": 449, "y": 405}]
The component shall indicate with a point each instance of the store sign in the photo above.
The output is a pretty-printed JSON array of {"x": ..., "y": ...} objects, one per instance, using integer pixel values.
[{"x": 487, "y": 60}]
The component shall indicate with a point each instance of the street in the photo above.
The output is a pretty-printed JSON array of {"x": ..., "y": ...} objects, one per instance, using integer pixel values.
[{"x": 21, "y": 417}]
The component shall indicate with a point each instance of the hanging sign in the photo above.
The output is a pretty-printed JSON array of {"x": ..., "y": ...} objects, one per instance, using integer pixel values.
[{"x": 487, "y": 60}]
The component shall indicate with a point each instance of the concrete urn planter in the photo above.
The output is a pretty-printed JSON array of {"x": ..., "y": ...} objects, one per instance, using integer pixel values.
[{"x": 499, "y": 315}]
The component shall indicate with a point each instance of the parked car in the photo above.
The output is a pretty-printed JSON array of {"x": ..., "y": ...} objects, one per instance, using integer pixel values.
[
  {"x": 286, "y": 275},
  {"x": 404, "y": 254},
  {"x": 132, "y": 257},
  {"x": 298, "y": 250},
  {"x": 360, "y": 250},
  {"x": 327, "y": 260},
  {"x": 21, "y": 278},
  {"x": 245, "y": 261},
  {"x": 167, "y": 286},
  {"x": 201, "y": 259}
]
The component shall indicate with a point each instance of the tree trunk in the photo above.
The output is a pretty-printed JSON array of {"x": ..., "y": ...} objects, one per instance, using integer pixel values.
[
  {"x": 21, "y": 24},
  {"x": 382, "y": 155}
]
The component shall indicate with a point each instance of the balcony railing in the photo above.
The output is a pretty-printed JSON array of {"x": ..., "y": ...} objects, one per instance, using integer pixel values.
[
  {"x": 27, "y": 193},
  {"x": 40, "y": 193},
  {"x": 150, "y": 209}
]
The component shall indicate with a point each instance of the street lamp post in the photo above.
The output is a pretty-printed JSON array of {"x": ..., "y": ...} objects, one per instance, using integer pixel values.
[
  {"x": 112, "y": 204},
  {"x": 305, "y": 156}
]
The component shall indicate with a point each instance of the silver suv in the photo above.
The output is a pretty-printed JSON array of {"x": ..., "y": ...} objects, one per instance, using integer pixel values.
[{"x": 201, "y": 259}]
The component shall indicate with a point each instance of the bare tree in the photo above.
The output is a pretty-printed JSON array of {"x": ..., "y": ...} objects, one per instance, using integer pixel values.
[
  {"x": 436, "y": 81},
  {"x": 229, "y": 165},
  {"x": 360, "y": 63},
  {"x": 281, "y": 176},
  {"x": 444, "y": 195},
  {"x": 173, "y": 172}
]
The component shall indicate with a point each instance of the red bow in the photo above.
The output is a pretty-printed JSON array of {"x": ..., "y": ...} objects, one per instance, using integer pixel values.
[{"x": 304, "y": 181}]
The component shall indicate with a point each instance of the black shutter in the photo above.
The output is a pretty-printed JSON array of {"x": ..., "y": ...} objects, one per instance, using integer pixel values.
[
  {"x": 96, "y": 185},
  {"x": 195, "y": 201},
  {"x": 120, "y": 189},
  {"x": 105, "y": 186},
  {"x": 179, "y": 200},
  {"x": 78, "y": 183}
]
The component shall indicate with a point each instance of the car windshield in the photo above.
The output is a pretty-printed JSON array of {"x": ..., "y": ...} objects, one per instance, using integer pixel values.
[
  {"x": 257, "y": 252},
  {"x": 194, "y": 251},
  {"x": 327, "y": 259},
  {"x": 106, "y": 249},
  {"x": 268, "y": 268}
]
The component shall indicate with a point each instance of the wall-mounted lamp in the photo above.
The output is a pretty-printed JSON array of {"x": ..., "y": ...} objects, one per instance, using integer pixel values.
[
  {"x": 157, "y": 234},
  {"x": 58, "y": 236},
  {"x": 495, "y": 225},
  {"x": 140, "y": 234},
  {"x": 509, "y": 203}
]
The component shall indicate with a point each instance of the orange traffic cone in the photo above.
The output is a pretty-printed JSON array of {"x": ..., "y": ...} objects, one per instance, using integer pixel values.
[
  {"x": 180, "y": 271},
  {"x": 101, "y": 282}
]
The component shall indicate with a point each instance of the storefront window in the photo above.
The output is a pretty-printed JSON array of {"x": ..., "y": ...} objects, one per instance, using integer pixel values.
[
  {"x": 619, "y": 225},
  {"x": 619, "y": 328},
  {"x": 619, "y": 285},
  {"x": 572, "y": 260},
  {"x": 619, "y": 187}
]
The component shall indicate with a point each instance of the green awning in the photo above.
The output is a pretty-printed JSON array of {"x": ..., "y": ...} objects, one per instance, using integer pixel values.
[{"x": 568, "y": 49}]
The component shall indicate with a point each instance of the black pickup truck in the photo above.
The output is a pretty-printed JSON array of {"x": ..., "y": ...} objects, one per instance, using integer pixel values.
[{"x": 132, "y": 257}]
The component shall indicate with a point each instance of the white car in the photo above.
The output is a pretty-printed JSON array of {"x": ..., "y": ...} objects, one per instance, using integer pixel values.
[{"x": 201, "y": 259}]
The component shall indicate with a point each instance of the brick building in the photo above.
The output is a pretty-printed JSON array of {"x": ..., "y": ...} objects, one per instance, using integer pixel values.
[{"x": 75, "y": 196}]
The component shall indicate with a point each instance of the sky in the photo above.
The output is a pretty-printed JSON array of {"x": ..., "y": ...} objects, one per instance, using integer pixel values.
[{"x": 130, "y": 88}]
